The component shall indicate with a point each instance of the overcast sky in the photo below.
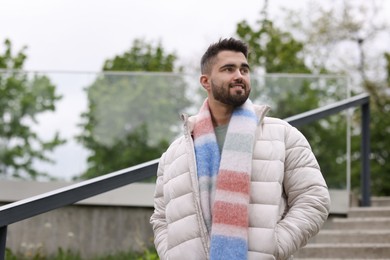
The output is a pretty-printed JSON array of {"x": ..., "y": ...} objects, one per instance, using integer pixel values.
[{"x": 78, "y": 35}]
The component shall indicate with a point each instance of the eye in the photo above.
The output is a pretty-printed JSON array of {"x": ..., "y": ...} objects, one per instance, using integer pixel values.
[{"x": 244, "y": 70}]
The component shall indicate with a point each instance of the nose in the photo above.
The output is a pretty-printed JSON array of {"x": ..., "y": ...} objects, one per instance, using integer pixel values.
[{"x": 238, "y": 74}]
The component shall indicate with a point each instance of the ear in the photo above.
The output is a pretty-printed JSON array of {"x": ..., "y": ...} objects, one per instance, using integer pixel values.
[{"x": 205, "y": 81}]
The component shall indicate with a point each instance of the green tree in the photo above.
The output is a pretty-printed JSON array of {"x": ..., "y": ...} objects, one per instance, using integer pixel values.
[
  {"x": 344, "y": 39},
  {"x": 272, "y": 49},
  {"x": 142, "y": 56},
  {"x": 380, "y": 132},
  {"x": 277, "y": 51},
  {"x": 132, "y": 116},
  {"x": 21, "y": 100}
]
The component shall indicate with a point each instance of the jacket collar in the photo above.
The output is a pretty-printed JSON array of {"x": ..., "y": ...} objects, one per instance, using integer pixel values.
[{"x": 189, "y": 121}]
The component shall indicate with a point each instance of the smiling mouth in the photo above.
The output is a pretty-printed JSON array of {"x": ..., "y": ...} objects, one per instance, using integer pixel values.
[{"x": 238, "y": 86}]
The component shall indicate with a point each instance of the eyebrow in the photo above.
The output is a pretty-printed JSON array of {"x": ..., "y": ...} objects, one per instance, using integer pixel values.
[{"x": 243, "y": 65}]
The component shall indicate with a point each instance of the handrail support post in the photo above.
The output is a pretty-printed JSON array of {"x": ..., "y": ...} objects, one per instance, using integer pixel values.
[
  {"x": 3, "y": 240},
  {"x": 365, "y": 156}
]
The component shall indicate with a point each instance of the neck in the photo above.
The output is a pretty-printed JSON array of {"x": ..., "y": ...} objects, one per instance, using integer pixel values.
[{"x": 220, "y": 113}]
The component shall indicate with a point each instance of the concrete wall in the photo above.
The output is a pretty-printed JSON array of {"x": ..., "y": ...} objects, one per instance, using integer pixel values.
[
  {"x": 90, "y": 230},
  {"x": 111, "y": 222}
]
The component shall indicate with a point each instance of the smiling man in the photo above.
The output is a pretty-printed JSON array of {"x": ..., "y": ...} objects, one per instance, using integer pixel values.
[{"x": 237, "y": 184}]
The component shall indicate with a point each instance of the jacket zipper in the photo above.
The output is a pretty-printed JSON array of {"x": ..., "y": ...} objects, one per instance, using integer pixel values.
[{"x": 193, "y": 173}]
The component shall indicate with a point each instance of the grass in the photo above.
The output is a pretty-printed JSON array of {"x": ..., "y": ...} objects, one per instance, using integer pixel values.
[{"x": 69, "y": 255}]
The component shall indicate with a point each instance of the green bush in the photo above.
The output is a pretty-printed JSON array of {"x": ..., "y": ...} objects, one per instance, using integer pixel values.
[{"x": 148, "y": 254}]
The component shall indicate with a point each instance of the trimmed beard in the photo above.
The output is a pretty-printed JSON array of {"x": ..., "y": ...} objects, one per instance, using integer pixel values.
[{"x": 223, "y": 95}]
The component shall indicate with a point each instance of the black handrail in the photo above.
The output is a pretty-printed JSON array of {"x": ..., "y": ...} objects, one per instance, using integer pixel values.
[
  {"x": 318, "y": 113},
  {"x": 27, "y": 208},
  {"x": 68, "y": 195},
  {"x": 36, "y": 205}
]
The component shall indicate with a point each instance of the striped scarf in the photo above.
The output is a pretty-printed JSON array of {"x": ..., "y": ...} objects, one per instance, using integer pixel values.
[{"x": 224, "y": 180}]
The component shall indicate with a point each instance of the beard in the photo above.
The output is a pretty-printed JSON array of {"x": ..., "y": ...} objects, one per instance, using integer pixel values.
[{"x": 222, "y": 93}]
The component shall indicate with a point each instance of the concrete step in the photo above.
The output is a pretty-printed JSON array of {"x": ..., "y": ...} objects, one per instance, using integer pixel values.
[
  {"x": 344, "y": 251},
  {"x": 361, "y": 212},
  {"x": 374, "y": 223},
  {"x": 380, "y": 201},
  {"x": 352, "y": 236},
  {"x": 364, "y": 234},
  {"x": 299, "y": 258}
]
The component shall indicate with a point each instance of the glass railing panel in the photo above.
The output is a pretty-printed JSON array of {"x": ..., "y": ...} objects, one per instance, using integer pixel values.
[{"x": 101, "y": 115}]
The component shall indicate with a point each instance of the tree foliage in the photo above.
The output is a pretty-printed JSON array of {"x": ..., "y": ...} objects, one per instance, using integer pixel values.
[
  {"x": 339, "y": 38},
  {"x": 21, "y": 100},
  {"x": 271, "y": 48},
  {"x": 142, "y": 56},
  {"x": 380, "y": 132},
  {"x": 277, "y": 51},
  {"x": 343, "y": 39},
  {"x": 131, "y": 149},
  {"x": 131, "y": 116}
]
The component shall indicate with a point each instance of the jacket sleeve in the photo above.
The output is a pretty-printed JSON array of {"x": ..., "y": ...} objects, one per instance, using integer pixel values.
[
  {"x": 158, "y": 219},
  {"x": 308, "y": 199}
]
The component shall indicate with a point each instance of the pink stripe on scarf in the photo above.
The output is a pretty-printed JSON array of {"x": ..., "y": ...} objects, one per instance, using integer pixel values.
[
  {"x": 230, "y": 214},
  {"x": 203, "y": 127},
  {"x": 233, "y": 181}
]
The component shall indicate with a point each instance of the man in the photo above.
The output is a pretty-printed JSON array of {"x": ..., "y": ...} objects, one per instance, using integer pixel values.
[{"x": 238, "y": 184}]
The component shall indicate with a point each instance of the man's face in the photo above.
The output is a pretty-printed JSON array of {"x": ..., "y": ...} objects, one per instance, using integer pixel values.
[{"x": 230, "y": 78}]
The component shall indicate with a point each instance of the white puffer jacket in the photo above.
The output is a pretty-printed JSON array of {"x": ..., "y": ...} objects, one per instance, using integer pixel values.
[{"x": 289, "y": 199}]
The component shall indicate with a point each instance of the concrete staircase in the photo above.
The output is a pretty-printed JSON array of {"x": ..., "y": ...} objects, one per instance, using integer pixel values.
[{"x": 363, "y": 234}]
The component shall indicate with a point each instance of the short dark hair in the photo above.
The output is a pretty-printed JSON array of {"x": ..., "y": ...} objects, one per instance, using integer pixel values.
[{"x": 212, "y": 51}]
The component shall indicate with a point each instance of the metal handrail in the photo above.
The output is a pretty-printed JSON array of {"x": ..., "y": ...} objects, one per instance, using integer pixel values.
[
  {"x": 68, "y": 195},
  {"x": 45, "y": 202},
  {"x": 27, "y": 208}
]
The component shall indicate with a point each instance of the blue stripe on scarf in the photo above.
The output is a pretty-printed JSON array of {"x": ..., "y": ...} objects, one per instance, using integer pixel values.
[
  {"x": 245, "y": 112},
  {"x": 237, "y": 249},
  {"x": 207, "y": 158}
]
